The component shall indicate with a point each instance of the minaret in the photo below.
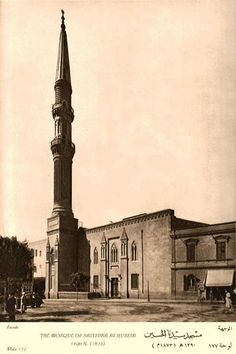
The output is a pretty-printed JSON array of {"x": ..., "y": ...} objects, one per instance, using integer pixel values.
[
  {"x": 62, "y": 226},
  {"x": 61, "y": 146}
]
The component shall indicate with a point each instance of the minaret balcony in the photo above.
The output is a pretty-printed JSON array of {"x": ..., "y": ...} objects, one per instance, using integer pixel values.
[
  {"x": 59, "y": 109},
  {"x": 59, "y": 145}
]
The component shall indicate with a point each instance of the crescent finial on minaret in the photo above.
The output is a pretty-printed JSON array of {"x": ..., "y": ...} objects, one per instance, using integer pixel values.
[{"x": 62, "y": 19}]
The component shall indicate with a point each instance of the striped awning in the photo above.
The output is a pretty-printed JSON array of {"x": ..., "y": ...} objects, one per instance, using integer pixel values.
[{"x": 220, "y": 277}]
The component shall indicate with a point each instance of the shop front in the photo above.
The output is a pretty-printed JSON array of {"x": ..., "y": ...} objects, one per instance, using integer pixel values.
[{"x": 218, "y": 281}]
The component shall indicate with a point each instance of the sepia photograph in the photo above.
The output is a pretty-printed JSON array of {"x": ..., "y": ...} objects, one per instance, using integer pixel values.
[{"x": 118, "y": 169}]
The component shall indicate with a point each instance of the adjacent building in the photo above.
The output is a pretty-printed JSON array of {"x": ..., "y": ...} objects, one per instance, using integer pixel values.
[
  {"x": 39, "y": 252},
  {"x": 205, "y": 254}
]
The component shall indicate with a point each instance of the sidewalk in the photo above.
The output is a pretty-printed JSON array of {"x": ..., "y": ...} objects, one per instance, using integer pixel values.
[{"x": 130, "y": 301}]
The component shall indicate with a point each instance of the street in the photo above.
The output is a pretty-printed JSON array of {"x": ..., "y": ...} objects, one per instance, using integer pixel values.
[{"x": 126, "y": 311}]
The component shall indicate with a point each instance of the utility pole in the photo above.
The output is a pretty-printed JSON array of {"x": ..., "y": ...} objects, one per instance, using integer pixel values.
[{"x": 148, "y": 295}]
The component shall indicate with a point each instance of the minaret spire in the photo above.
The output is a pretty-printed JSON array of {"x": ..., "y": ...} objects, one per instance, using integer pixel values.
[{"x": 63, "y": 64}]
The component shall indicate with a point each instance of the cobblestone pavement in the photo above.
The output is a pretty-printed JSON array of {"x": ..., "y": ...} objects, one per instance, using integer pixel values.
[{"x": 128, "y": 311}]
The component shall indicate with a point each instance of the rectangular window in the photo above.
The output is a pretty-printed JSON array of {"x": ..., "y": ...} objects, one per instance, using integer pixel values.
[
  {"x": 191, "y": 252},
  {"x": 95, "y": 281},
  {"x": 221, "y": 251},
  {"x": 40, "y": 253},
  {"x": 35, "y": 269},
  {"x": 134, "y": 281},
  {"x": 35, "y": 253}
]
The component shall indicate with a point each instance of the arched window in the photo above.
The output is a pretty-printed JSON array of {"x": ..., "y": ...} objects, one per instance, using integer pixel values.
[
  {"x": 133, "y": 251},
  {"x": 190, "y": 282},
  {"x": 59, "y": 127},
  {"x": 114, "y": 253},
  {"x": 103, "y": 251},
  {"x": 56, "y": 127},
  {"x": 52, "y": 255},
  {"x": 123, "y": 249},
  {"x": 95, "y": 256}
]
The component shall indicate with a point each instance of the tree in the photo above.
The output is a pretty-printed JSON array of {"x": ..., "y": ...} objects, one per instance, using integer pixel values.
[
  {"x": 15, "y": 261},
  {"x": 79, "y": 280}
]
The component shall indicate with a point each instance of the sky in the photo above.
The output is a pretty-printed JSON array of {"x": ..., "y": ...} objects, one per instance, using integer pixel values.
[{"x": 154, "y": 95}]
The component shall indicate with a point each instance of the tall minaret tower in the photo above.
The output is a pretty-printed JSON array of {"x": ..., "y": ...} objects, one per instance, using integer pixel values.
[{"x": 62, "y": 226}]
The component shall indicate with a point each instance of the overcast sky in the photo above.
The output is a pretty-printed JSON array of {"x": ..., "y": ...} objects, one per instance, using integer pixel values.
[{"x": 154, "y": 95}]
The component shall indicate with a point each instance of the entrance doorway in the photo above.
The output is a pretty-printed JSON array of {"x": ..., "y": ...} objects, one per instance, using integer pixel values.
[{"x": 114, "y": 287}]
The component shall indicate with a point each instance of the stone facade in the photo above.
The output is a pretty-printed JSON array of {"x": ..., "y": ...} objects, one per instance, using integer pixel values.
[
  {"x": 61, "y": 254},
  {"x": 139, "y": 243}
]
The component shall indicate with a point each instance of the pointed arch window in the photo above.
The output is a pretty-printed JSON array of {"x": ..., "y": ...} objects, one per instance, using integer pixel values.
[
  {"x": 103, "y": 251},
  {"x": 95, "y": 256},
  {"x": 114, "y": 253},
  {"x": 56, "y": 127},
  {"x": 123, "y": 249},
  {"x": 59, "y": 127},
  {"x": 52, "y": 255},
  {"x": 134, "y": 251}
]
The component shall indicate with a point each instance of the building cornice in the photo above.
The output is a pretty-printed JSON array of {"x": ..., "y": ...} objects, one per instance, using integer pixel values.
[
  {"x": 206, "y": 230},
  {"x": 132, "y": 220}
]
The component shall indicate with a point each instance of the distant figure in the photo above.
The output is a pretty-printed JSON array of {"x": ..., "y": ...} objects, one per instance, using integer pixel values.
[
  {"x": 201, "y": 292},
  {"x": 18, "y": 296},
  {"x": 11, "y": 307},
  {"x": 228, "y": 301},
  {"x": 234, "y": 297},
  {"x": 38, "y": 300},
  {"x": 204, "y": 293},
  {"x": 1, "y": 303},
  {"x": 23, "y": 303},
  {"x": 32, "y": 299},
  {"x": 211, "y": 295}
]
